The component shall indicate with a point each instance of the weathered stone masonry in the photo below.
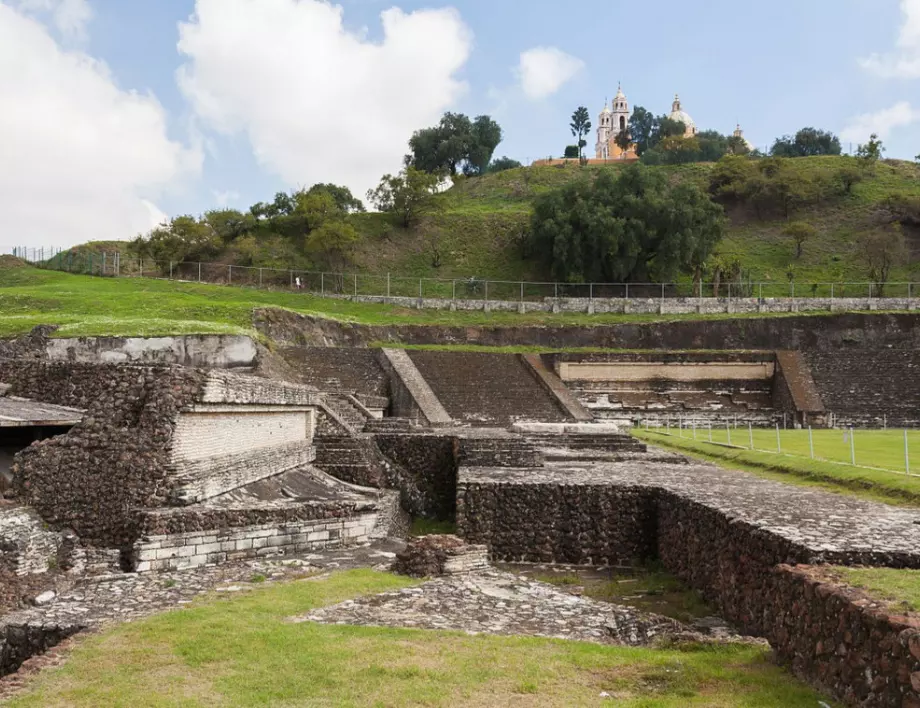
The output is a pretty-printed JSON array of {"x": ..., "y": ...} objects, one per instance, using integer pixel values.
[{"x": 116, "y": 459}]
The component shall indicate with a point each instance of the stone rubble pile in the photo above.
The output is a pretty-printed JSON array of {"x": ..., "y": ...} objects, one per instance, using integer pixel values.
[{"x": 437, "y": 555}]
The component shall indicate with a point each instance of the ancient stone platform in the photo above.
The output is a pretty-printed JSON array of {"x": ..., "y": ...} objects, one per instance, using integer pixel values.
[
  {"x": 827, "y": 527},
  {"x": 495, "y": 602}
]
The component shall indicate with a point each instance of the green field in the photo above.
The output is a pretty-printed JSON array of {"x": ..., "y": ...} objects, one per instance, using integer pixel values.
[
  {"x": 893, "y": 487},
  {"x": 875, "y": 449},
  {"x": 240, "y": 651},
  {"x": 93, "y": 306}
]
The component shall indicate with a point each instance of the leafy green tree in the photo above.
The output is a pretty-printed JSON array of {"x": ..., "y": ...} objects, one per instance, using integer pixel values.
[
  {"x": 881, "y": 251},
  {"x": 183, "y": 238},
  {"x": 624, "y": 225},
  {"x": 485, "y": 137},
  {"x": 229, "y": 224},
  {"x": 807, "y": 142},
  {"x": 332, "y": 244},
  {"x": 571, "y": 152},
  {"x": 713, "y": 145},
  {"x": 580, "y": 126},
  {"x": 503, "y": 163},
  {"x": 456, "y": 144},
  {"x": 800, "y": 232},
  {"x": 641, "y": 127},
  {"x": 344, "y": 199},
  {"x": 849, "y": 175},
  {"x": 917, "y": 158},
  {"x": 408, "y": 195},
  {"x": 872, "y": 151},
  {"x": 737, "y": 146},
  {"x": 623, "y": 140}
]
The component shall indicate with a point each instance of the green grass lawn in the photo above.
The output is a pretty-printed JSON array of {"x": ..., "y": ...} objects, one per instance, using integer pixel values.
[
  {"x": 900, "y": 588},
  {"x": 240, "y": 651},
  {"x": 879, "y": 449},
  {"x": 93, "y": 306},
  {"x": 878, "y": 485}
]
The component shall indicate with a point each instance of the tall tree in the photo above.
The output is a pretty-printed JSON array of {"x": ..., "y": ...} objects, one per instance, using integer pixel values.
[
  {"x": 503, "y": 163},
  {"x": 408, "y": 195},
  {"x": 808, "y": 142},
  {"x": 623, "y": 140},
  {"x": 485, "y": 136},
  {"x": 580, "y": 126},
  {"x": 342, "y": 196},
  {"x": 625, "y": 225},
  {"x": 641, "y": 127},
  {"x": 800, "y": 232},
  {"x": 871, "y": 151},
  {"x": 455, "y": 144},
  {"x": 881, "y": 251}
]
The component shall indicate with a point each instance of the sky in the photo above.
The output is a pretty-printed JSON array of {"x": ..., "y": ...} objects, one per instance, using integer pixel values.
[{"x": 116, "y": 114}]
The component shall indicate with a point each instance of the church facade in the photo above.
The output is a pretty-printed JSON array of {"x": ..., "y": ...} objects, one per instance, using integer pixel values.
[{"x": 614, "y": 119}]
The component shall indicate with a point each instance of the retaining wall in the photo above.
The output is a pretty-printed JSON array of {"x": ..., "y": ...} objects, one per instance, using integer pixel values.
[{"x": 804, "y": 332}]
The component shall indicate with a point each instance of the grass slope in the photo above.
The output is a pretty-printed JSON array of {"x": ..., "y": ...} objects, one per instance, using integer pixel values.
[
  {"x": 478, "y": 233},
  {"x": 93, "y": 306},
  {"x": 242, "y": 652},
  {"x": 898, "y": 587},
  {"x": 872, "y": 484}
]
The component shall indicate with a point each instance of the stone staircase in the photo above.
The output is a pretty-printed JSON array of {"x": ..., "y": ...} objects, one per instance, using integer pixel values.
[
  {"x": 866, "y": 387},
  {"x": 388, "y": 425},
  {"x": 498, "y": 452},
  {"x": 487, "y": 390},
  {"x": 347, "y": 411},
  {"x": 353, "y": 459},
  {"x": 611, "y": 442}
]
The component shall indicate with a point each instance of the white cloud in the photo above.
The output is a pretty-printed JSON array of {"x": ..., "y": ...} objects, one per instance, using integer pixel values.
[
  {"x": 881, "y": 122},
  {"x": 79, "y": 155},
  {"x": 226, "y": 198},
  {"x": 904, "y": 62},
  {"x": 544, "y": 70},
  {"x": 70, "y": 17},
  {"x": 317, "y": 102}
]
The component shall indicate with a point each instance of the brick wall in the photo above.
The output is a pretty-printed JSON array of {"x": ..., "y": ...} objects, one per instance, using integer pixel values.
[
  {"x": 213, "y": 546},
  {"x": 203, "y": 433}
]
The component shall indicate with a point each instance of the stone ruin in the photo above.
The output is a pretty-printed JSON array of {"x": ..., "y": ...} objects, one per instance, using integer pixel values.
[{"x": 169, "y": 467}]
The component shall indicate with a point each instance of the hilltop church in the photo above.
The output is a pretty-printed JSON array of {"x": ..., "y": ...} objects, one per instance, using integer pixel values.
[{"x": 615, "y": 118}]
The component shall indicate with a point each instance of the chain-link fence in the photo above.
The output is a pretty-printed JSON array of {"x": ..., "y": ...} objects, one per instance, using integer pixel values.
[
  {"x": 888, "y": 450},
  {"x": 114, "y": 264}
]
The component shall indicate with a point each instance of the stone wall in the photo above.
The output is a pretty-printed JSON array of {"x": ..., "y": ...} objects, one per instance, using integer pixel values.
[
  {"x": 117, "y": 458},
  {"x": 208, "y": 431},
  {"x": 647, "y": 305},
  {"x": 863, "y": 387},
  {"x": 805, "y": 332},
  {"x": 839, "y": 639},
  {"x": 430, "y": 464},
  {"x": 556, "y": 523},
  {"x": 795, "y": 392},
  {"x": 214, "y": 545}
]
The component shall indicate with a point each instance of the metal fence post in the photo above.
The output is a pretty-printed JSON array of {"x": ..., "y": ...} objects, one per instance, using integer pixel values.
[
  {"x": 229, "y": 275},
  {"x": 356, "y": 285},
  {"x": 486, "y": 291},
  {"x": 260, "y": 277},
  {"x": 522, "y": 291},
  {"x": 199, "y": 271},
  {"x": 852, "y": 448},
  {"x": 811, "y": 443},
  {"x": 906, "y": 454},
  {"x": 419, "y": 288},
  {"x": 170, "y": 270},
  {"x": 388, "y": 285},
  {"x": 453, "y": 289},
  {"x": 779, "y": 444},
  {"x": 751, "y": 435},
  {"x": 322, "y": 284}
]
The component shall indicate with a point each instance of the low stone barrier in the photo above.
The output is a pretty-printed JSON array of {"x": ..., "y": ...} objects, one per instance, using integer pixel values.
[
  {"x": 836, "y": 637},
  {"x": 648, "y": 306}
]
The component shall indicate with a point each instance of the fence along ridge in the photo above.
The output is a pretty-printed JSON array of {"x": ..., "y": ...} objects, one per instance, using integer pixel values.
[{"x": 332, "y": 283}]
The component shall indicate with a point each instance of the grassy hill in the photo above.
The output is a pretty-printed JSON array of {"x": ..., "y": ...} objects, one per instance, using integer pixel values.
[
  {"x": 482, "y": 227},
  {"x": 480, "y": 230}
]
